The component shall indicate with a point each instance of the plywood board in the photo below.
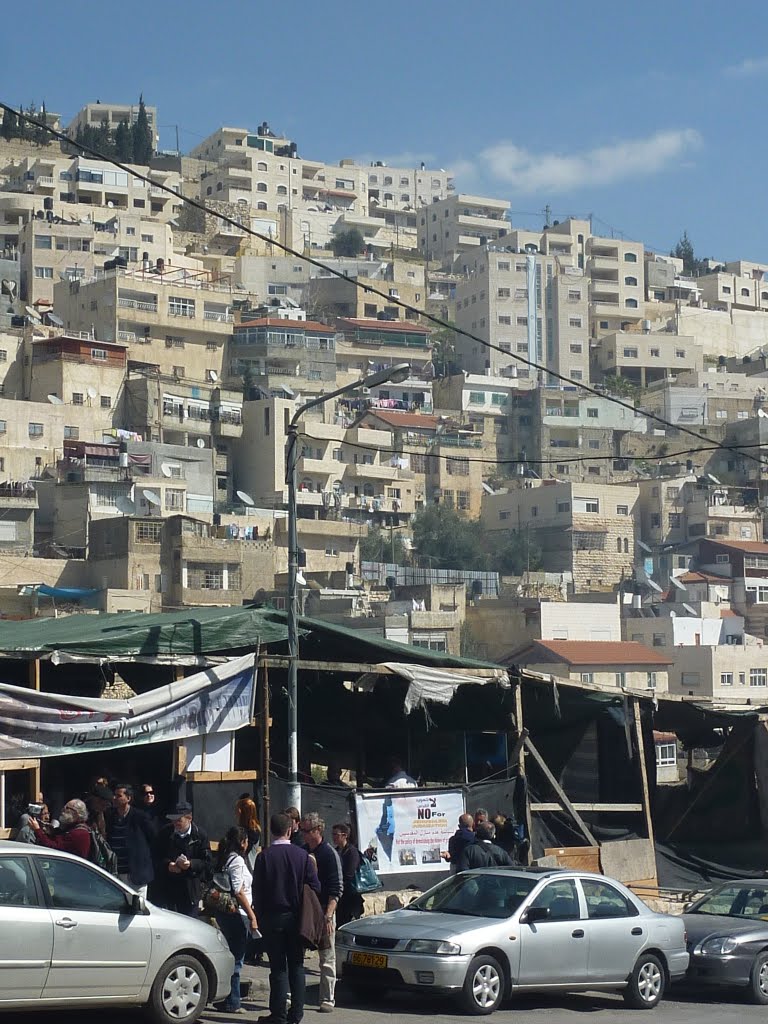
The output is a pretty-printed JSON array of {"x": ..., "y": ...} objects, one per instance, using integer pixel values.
[
  {"x": 629, "y": 860},
  {"x": 576, "y": 858}
]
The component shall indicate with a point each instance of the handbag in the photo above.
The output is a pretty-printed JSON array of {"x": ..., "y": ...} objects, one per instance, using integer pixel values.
[
  {"x": 366, "y": 879},
  {"x": 218, "y": 897}
]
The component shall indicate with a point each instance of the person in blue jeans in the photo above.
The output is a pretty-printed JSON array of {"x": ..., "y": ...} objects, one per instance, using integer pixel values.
[{"x": 238, "y": 925}]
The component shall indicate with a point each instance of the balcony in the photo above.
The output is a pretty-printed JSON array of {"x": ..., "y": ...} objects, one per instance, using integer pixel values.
[
  {"x": 18, "y": 495},
  {"x": 321, "y": 467},
  {"x": 221, "y": 318},
  {"x": 605, "y": 263},
  {"x": 45, "y": 181},
  {"x": 146, "y": 306},
  {"x": 126, "y": 336}
]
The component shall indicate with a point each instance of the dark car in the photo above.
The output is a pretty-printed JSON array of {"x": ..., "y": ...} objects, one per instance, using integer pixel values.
[{"x": 728, "y": 938}]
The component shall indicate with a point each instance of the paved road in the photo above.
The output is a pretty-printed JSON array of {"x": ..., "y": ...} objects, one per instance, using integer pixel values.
[{"x": 408, "y": 1009}]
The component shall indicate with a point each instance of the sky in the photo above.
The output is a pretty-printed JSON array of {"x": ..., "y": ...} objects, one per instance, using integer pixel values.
[{"x": 651, "y": 117}]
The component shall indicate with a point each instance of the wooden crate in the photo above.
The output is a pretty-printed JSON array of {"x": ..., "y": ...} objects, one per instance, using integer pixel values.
[{"x": 576, "y": 858}]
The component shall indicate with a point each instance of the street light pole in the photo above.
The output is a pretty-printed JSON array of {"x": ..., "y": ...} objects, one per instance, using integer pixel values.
[{"x": 394, "y": 374}]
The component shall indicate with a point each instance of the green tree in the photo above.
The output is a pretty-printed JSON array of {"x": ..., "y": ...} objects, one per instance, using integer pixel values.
[
  {"x": 684, "y": 251},
  {"x": 382, "y": 546},
  {"x": 518, "y": 554},
  {"x": 348, "y": 243},
  {"x": 124, "y": 142},
  {"x": 249, "y": 382},
  {"x": 444, "y": 351},
  {"x": 104, "y": 143},
  {"x": 10, "y": 127},
  {"x": 445, "y": 540},
  {"x": 143, "y": 146}
]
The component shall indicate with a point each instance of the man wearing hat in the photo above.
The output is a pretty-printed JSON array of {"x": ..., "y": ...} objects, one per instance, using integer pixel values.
[{"x": 182, "y": 856}]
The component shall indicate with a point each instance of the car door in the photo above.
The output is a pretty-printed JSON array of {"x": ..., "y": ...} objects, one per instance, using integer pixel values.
[
  {"x": 615, "y": 929},
  {"x": 100, "y": 948},
  {"x": 554, "y": 951},
  {"x": 26, "y": 932}
]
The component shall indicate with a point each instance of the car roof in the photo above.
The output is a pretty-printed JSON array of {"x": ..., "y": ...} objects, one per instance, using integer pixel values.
[{"x": 541, "y": 872}]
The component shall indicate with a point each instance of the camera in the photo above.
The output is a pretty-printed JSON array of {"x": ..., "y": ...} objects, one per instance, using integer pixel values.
[{"x": 35, "y": 810}]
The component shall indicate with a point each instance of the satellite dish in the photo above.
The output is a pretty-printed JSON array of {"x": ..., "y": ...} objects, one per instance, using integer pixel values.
[
  {"x": 55, "y": 400},
  {"x": 200, "y": 442},
  {"x": 151, "y": 497},
  {"x": 714, "y": 479},
  {"x": 245, "y": 498},
  {"x": 653, "y": 585},
  {"x": 213, "y": 375},
  {"x": 676, "y": 583},
  {"x": 125, "y": 505},
  {"x": 91, "y": 392},
  {"x": 32, "y": 313},
  {"x": 691, "y": 611},
  {"x": 165, "y": 469},
  {"x": 643, "y": 547}
]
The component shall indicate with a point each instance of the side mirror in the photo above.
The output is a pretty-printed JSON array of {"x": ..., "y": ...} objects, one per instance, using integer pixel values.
[
  {"x": 138, "y": 906},
  {"x": 534, "y": 914}
]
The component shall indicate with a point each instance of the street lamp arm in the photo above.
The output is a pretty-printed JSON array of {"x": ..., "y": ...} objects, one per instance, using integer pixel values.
[{"x": 393, "y": 373}]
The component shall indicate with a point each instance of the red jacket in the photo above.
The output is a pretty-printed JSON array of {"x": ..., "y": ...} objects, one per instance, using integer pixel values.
[{"x": 72, "y": 840}]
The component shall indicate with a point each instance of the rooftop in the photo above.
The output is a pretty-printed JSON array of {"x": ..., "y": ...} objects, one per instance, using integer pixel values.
[
  {"x": 271, "y": 321},
  {"x": 405, "y": 420},
  {"x": 696, "y": 576},
  {"x": 594, "y": 652},
  {"x": 747, "y": 547},
  {"x": 381, "y": 325}
]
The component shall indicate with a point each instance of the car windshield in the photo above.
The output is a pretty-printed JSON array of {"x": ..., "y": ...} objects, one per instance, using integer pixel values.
[
  {"x": 477, "y": 895},
  {"x": 750, "y": 901}
]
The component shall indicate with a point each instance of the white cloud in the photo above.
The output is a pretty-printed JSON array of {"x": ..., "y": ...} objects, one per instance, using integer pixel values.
[
  {"x": 748, "y": 68},
  {"x": 531, "y": 172}
]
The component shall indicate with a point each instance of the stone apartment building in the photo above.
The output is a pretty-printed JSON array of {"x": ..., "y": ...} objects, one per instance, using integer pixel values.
[
  {"x": 646, "y": 358},
  {"x": 327, "y": 295},
  {"x": 705, "y": 398},
  {"x": 460, "y": 224},
  {"x": 366, "y": 345},
  {"x": 585, "y": 529},
  {"x": 622, "y": 665},
  {"x": 281, "y": 352}
]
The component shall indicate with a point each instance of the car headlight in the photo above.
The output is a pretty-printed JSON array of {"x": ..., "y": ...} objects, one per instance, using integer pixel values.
[
  {"x": 344, "y": 938},
  {"x": 431, "y": 946},
  {"x": 718, "y": 945},
  {"x": 222, "y": 940}
]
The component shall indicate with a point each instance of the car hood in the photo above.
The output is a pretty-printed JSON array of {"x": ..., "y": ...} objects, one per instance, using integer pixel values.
[
  {"x": 701, "y": 926},
  {"x": 420, "y": 924},
  {"x": 198, "y": 933}
]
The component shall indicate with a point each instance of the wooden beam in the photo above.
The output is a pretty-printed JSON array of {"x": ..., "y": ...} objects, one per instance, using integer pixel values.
[
  {"x": 643, "y": 772},
  {"x": 222, "y": 776},
  {"x": 265, "y": 755},
  {"x": 20, "y": 764},
  {"x": 554, "y": 806},
  {"x": 560, "y": 792},
  {"x": 35, "y": 780},
  {"x": 518, "y": 754},
  {"x": 356, "y": 667}
]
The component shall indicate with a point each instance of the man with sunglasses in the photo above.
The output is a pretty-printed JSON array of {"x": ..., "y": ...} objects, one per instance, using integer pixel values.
[{"x": 331, "y": 887}]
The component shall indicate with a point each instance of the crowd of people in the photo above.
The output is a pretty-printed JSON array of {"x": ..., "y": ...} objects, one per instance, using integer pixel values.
[
  {"x": 168, "y": 858},
  {"x": 483, "y": 842}
]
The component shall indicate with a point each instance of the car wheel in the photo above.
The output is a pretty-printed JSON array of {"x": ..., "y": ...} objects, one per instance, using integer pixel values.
[
  {"x": 483, "y": 986},
  {"x": 179, "y": 992},
  {"x": 758, "y": 980},
  {"x": 646, "y": 983}
]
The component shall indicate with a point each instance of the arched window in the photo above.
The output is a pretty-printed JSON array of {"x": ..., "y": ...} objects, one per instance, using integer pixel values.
[
  {"x": 618, "y": 544},
  {"x": 209, "y": 190},
  {"x": 631, "y": 281},
  {"x": 630, "y": 303},
  {"x": 261, "y": 166},
  {"x": 219, "y": 187},
  {"x": 388, "y": 180},
  {"x": 630, "y": 257},
  {"x": 626, "y": 545},
  {"x": 745, "y": 291},
  {"x": 388, "y": 196},
  {"x": 282, "y": 190},
  {"x": 261, "y": 186},
  {"x": 261, "y": 206},
  {"x": 242, "y": 202},
  {"x": 373, "y": 179}
]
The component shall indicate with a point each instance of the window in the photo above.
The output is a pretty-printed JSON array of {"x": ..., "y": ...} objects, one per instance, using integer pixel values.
[
  {"x": 655, "y": 520},
  {"x": 181, "y": 306},
  {"x": 594, "y": 445},
  {"x": 43, "y": 242},
  {"x": 505, "y": 320},
  {"x": 36, "y": 430},
  {"x": 588, "y": 505},
  {"x": 71, "y": 433},
  {"x": 630, "y": 257},
  {"x": 503, "y": 265},
  {"x": 174, "y": 499},
  {"x": 622, "y": 510},
  {"x": 666, "y": 755},
  {"x": 592, "y": 414},
  {"x": 621, "y": 679},
  {"x": 659, "y": 640},
  {"x": 726, "y": 678},
  {"x": 655, "y": 353},
  {"x": 574, "y": 321},
  {"x": 17, "y": 888},
  {"x": 3, "y": 355},
  {"x": 745, "y": 292},
  {"x": 576, "y": 348},
  {"x": 561, "y": 900},
  {"x": 462, "y": 501},
  {"x": 758, "y": 677},
  {"x": 147, "y": 238},
  {"x": 721, "y": 559},
  {"x": 148, "y": 532},
  {"x": 106, "y": 401},
  {"x": 690, "y": 679},
  {"x": 630, "y": 303},
  {"x": 574, "y": 295},
  {"x": 631, "y": 281},
  {"x": 587, "y": 677},
  {"x": 77, "y": 398},
  {"x": 630, "y": 353},
  {"x": 603, "y": 901},
  {"x": 726, "y": 289},
  {"x": 476, "y": 397},
  {"x": 130, "y": 231},
  {"x": 679, "y": 353},
  {"x": 675, "y": 520},
  {"x": 74, "y": 886},
  {"x": 651, "y": 681},
  {"x": 503, "y": 293},
  {"x": 44, "y": 272},
  {"x": 563, "y": 506}
]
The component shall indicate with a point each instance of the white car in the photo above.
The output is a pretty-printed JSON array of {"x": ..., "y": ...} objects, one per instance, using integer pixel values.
[
  {"x": 486, "y": 934},
  {"x": 73, "y": 936}
]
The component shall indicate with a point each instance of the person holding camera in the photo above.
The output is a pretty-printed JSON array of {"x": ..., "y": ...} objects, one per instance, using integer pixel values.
[
  {"x": 73, "y": 835},
  {"x": 183, "y": 859}
]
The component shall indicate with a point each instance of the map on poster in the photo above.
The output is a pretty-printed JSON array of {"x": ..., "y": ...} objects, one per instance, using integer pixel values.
[{"x": 408, "y": 829}]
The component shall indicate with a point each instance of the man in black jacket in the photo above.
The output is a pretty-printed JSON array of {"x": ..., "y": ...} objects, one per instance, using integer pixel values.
[
  {"x": 331, "y": 887},
  {"x": 182, "y": 861},
  {"x": 483, "y": 853},
  {"x": 130, "y": 834}
]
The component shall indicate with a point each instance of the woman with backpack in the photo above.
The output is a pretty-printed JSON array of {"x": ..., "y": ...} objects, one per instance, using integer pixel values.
[{"x": 236, "y": 919}]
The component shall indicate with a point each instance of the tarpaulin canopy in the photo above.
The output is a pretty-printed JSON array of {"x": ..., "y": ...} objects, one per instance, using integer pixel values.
[
  {"x": 68, "y": 593},
  {"x": 438, "y": 685},
  {"x": 181, "y": 638}
]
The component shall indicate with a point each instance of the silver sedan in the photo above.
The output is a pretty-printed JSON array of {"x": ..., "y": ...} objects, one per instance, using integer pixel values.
[
  {"x": 73, "y": 936},
  {"x": 484, "y": 935}
]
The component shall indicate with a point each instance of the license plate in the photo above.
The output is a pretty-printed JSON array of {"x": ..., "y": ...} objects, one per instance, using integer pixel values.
[{"x": 368, "y": 960}]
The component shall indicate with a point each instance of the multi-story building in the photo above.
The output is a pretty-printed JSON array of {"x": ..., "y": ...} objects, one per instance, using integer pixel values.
[
  {"x": 94, "y": 115},
  {"x": 646, "y": 358},
  {"x": 623, "y": 665},
  {"x": 367, "y": 345},
  {"x": 700, "y": 399},
  {"x": 585, "y": 529},
  {"x": 77, "y": 371},
  {"x": 176, "y": 319},
  {"x": 403, "y": 281},
  {"x": 563, "y": 432},
  {"x": 297, "y": 355},
  {"x": 459, "y": 224}
]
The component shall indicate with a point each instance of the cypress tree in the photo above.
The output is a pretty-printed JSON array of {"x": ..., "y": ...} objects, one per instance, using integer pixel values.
[
  {"x": 143, "y": 146},
  {"x": 124, "y": 142}
]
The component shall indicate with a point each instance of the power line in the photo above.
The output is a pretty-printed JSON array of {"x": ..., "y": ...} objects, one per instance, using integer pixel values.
[{"x": 367, "y": 288}]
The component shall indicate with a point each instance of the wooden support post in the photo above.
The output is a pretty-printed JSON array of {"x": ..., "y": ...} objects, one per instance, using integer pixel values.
[
  {"x": 518, "y": 753},
  {"x": 35, "y": 785},
  {"x": 567, "y": 805},
  {"x": 265, "y": 723},
  {"x": 643, "y": 772}
]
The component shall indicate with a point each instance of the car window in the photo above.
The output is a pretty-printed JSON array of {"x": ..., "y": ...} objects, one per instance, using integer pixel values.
[
  {"x": 17, "y": 886},
  {"x": 477, "y": 894},
  {"x": 74, "y": 886},
  {"x": 735, "y": 901},
  {"x": 562, "y": 900},
  {"x": 605, "y": 901}
]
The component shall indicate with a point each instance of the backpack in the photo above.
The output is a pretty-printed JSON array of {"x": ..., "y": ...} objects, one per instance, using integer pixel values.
[
  {"x": 101, "y": 853},
  {"x": 218, "y": 896}
]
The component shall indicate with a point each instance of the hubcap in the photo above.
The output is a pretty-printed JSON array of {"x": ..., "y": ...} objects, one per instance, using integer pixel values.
[
  {"x": 649, "y": 983},
  {"x": 486, "y": 985},
  {"x": 182, "y": 992},
  {"x": 762, "y": 978}
]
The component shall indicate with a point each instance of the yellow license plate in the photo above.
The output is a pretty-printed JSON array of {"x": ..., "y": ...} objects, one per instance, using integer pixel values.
[{"x": 368, "y": 960}]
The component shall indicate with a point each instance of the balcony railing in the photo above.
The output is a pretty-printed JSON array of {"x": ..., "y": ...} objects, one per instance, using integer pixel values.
[
  {"x": 222, "y": 318},
  {"x": 126, "y": 336},
  {"x": 147, "y": 307},
  {"x": 45, "y": 179}
]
